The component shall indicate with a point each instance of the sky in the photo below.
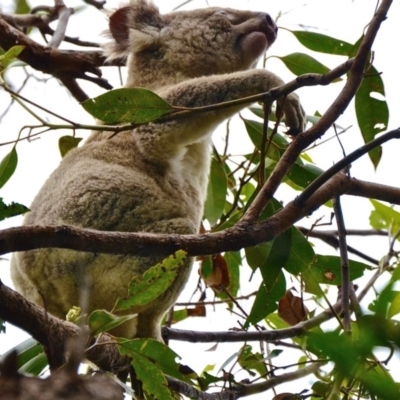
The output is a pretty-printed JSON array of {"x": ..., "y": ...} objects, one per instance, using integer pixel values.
[{"x": 343, "y": 19}]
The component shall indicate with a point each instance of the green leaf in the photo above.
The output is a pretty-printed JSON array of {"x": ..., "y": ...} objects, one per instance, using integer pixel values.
[
  {"x": 234, "y": 261},
  {"x": 322, "y": 388},
  {"x": 278, "y": 256},
  {"x": 177, "y": 316},
  {"x": 30, "y": 357},
  {"x": 301, "y": 257},
  {"x": 384, "y": 217},
  {"x": 36, "y": 365},
  {"x": 351, "y": 359},
  {"x": 206, "y": 380},
  {"x": 303, "y": 175},
  {"x": 9, "y": 56},
  {"x": 158, "y": 353},
  {"x": 22, "y": 7},
  {"x": 152, "y": 378},
  {"x": 102, "y": 321},
  {"x": 216, "y": 192},
  {"x": 327, "y": 269},
  {"x": 270, "y": 261},
  {"x": 135, "y": 105},
  {"x": 394, "y": 307},
  {"x": 323, "y": 43},
  {"x": 300, "y": 63},
  {"x": 256, "y": 256},
  {"x": 301, "y": 253},
  {"x": 67, "y": 143},
  {"x": 8, "y": 166},
  {"x": 252, "y": 361},
  {"x": 372, "y": 112},
  {"x": 154, "y": 282},
  {"x": 255, "y": 132},
  {"x": 267, "y": 298},
  {"x": 12, "y": 210}
]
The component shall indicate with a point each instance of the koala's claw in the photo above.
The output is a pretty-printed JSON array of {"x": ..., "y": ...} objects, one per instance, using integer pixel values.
[{"x": 295, "y": 115}]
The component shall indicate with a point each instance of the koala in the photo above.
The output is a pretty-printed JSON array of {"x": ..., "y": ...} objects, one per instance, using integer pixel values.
[{"x": 152, "y": 178}]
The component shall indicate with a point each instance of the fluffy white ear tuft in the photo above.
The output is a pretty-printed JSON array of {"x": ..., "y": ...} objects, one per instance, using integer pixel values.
[{"x": 141, "y": 40}]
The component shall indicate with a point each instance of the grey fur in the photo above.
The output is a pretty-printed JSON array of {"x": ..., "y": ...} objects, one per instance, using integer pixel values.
[{"x": 154, "y": 178}]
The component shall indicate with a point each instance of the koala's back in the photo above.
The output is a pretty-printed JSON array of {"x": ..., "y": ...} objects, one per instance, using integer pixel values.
[{"x": 105, "y": 185}]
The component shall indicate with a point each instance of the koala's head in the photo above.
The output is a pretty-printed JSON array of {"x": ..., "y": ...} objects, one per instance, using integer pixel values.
[{"x": 190, "y": 43}]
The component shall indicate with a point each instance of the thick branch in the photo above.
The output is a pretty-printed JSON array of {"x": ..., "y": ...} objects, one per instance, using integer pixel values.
[
  {"x": 54, "y": 333},
  {"x": 330, "y": 237},
  {"x": 145, "y": 244},
  {"x": 62, "y": 64}
]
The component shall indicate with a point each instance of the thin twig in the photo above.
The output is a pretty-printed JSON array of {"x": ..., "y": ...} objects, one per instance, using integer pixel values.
[{"x": 345, "y": 288}]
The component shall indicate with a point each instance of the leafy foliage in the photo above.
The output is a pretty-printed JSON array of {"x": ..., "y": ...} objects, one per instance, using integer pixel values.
[
  {"x": 11, "y": 210},
  {"x": 9, "y": 56}
]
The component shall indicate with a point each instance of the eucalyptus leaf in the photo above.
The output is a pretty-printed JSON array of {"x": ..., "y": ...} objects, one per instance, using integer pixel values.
[
  {"x": 267, "y": 298},
  {"x": 11, "y": 210},
  {"x": 372, "y": 110},
  {"x": 8, "y": 165},
  {"x": 154, "y": 282},
  {"x": 22, "y": 7},
  {"x": 250, "y": 360},
  {"x": 100, "y": 321},
  {"x": 158, "y": 353},
  {"x": 216, "y": 192},
  {"x": 134, "y": 105},
  {"x": 67, "y": 143},
  {"x": 323, "y": 43},
  {"x": 30, "y": 356},
  {"x": 300, "y": 63},
  {"x": 9, "y": 56},
  {"x": 327, "y": 269},
  {"x": 234, "y": 261},
  {"x": 152, "y": 378},
  {"x": 36, "y": 365},
  {"x": 303, "y": 175},
  {"x": 384, "y": 217}
]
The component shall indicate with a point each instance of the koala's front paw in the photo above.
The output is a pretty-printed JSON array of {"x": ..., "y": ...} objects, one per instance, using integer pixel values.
[{"x": 294, "y": 114}]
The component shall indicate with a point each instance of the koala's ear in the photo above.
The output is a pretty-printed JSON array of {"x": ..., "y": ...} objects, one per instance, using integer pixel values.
[{"x": 133, "y": 28}]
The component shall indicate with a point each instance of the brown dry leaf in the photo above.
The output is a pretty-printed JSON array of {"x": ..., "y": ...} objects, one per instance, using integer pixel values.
[
  {"x": 219, "y": 275},
  {"x": 292, "y": 309},
  {"x": 198, "y": 311}
]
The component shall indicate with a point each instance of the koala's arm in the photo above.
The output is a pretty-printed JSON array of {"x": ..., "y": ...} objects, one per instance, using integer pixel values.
[{"x": 214, "y": 89}]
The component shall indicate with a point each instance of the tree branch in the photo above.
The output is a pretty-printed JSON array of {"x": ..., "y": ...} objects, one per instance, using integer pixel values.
[
  {"x": 53, "y": 333},
  {"x": 62, "y": 64},
  {"x": 330, "y": 237},
  {"x": 304, "y": 139},
  {"x": 145, "y": 244}
]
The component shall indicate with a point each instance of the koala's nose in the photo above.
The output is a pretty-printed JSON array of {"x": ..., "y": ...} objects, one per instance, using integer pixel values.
[
  {"x": 271, "y": 23},
  {"x": 268, "y": 26}
]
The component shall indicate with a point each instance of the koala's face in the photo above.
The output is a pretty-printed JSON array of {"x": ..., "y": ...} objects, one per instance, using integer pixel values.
[
  {"x": 216, "y": 40},
  {"x": 192, "y": 43}
]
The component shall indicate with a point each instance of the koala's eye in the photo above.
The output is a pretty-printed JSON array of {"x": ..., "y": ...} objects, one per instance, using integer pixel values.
[
  {"x": 225, "y": 15},
  {"x": 222, "y": 13}
]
